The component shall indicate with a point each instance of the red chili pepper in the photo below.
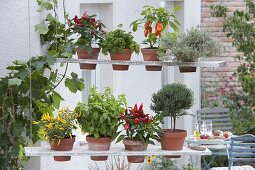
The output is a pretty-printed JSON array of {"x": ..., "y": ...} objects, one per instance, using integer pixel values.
[
  {"x": 93, "y": 20},
  {"x": 136, "y": 120},
  {"x": 141, "y": 107},
  {"x": 81, "y": 25},
  {"x": 76, "y": 19},
  {"x": 135, "y": 108},
  {"x": 136, "y": 115}
]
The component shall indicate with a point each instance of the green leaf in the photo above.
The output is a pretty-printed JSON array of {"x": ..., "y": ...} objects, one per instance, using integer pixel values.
[
  {"x": 56, "y": 98},
  {"x": 49, "y": 17},
  {"x": 75, "y": 83},
  {"x": 14, "y": 81},
  {"x": 41, "y": 29},
  {"x": 120, "y": 138},
  {"x": 177, "y": 8}
]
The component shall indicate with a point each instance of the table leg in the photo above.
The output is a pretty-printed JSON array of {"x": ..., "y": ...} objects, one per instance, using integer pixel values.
[{"x": 207, "y": 165}]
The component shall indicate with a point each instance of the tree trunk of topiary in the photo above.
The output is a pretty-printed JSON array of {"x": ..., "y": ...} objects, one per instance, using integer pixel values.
[{"x": 174, "y": 122}]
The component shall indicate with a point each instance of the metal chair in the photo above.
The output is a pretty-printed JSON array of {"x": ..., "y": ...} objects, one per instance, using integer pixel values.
[
  {"x": 241, "y": 150},
  {"x": 220, "y": 117},
  {"x": 221, "y": 120}
]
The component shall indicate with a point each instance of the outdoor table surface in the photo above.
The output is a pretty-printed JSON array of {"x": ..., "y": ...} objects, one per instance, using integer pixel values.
[
  {"x": 214, "y": 141},
  {"x": 114, "y": 151}
]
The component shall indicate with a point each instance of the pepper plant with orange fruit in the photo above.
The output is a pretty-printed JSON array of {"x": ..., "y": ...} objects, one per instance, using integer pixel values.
[
  {"x": 139, "y": 126},
  {"x": 154, "y": 21},
  {"x": 57, "y": 128}
]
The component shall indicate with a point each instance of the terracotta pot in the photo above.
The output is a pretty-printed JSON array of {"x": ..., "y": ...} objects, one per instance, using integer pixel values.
[
  {"x": 125, "y": 55},
  {"x": 150, "y": 55},
  {"x": 65, "y": 144},
  {"x": 84, "y": 54},
  {"x": 133, "y": 145},
  {"x": 98, "y": 144},
  {"x": 184, "y": 69},
  {"x": 171, "y": 140}
]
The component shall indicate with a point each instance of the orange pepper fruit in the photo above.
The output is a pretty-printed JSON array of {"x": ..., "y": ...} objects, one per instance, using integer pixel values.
[
  {"x": 146, "y": 33},
  {"x": 158, "y": 28},
  {"x": 147, "y": 24}
]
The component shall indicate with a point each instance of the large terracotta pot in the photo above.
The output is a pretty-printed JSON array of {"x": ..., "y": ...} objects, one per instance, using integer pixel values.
[
  {"x": 84, "y": 54},
  {"x": 133, "y": 145},
  {"x": 98, "y": 144},
  {"x": 173, "y": 140},
  {"x": 151, "y": 55},
  {"x": 125, "y": 55},
  {"x": 65, "y": 144}
]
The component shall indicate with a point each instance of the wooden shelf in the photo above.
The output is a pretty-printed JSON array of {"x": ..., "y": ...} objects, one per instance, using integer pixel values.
[
  {"x": 150, "y": 63},
  {"x": 114, "y": 151}
]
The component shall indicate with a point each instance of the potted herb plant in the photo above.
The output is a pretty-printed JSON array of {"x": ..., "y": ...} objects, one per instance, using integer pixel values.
[
  {"x": 120, "y": 44},
  {"x": 188, "y": 46},
  {"x": 58, "y": 131},
  {"x": 100, "y": 118},
  {"x": 141, "y": 129},
  {"x": 172, "y": 101},
  {"x": 154, "y": 21},
  {"x": 90, "y": 32}
]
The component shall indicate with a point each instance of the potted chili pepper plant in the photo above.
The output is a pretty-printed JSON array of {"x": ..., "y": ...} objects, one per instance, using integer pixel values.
[
  {"x": 172, "y": 101},
  {"x": 188, "y": 46},
  {"x": 58, "y": 131},
  {"x": 141, "y": 129},
  {"x": 120, "y": 44},
  {"x": 90, "y": 32},
  {"x": 154, "y": 21},
  {"x": 100, "y": 118}
]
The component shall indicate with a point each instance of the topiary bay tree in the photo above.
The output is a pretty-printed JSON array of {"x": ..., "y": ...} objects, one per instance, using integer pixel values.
[{"x": 172, "y": 101}]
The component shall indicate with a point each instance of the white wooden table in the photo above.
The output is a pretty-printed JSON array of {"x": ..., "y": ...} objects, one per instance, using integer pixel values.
[{"x": 114, "y": 151}]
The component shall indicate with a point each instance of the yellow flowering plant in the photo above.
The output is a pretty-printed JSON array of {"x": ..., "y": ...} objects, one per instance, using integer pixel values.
[{"x": 57, "y": 128}]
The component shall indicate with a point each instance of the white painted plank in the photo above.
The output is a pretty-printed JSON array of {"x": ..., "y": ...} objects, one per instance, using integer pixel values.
[{"x": 114, "y": 151}]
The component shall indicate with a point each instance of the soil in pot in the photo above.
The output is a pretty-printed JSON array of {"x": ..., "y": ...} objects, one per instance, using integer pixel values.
[
  {"x": 98, "y": 144},
  {"x": 133, "y": 145},
  {"x": 84, "y": 54},
  {"x": 184, "y": 69},
  {"x": 150, "y": 55},
  {"x": 125, "y": 55},
  {"x": 65, "y": 144}
]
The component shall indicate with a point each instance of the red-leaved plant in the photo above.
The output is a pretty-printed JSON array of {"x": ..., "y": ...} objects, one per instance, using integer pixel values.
[
  {"x": 90, "y": 31},
  {"x": 139, "y": 126}
]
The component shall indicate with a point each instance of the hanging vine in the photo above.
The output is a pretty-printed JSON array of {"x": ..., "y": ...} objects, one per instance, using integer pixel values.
[{"x": 15, "y": 89}]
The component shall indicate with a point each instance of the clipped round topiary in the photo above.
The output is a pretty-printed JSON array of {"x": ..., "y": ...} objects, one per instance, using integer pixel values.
[{"x": 172, "y": 100}]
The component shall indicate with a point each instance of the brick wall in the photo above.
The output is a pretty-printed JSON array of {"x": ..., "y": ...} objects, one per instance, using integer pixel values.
[{"x": 214, "y": 78}]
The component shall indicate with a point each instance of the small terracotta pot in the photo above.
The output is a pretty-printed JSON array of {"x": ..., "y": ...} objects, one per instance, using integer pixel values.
[
  {"x": 125, "y": 56},
  {"x": 65, "y": 144},
  {"x": 150, "y": 55},
  {"x": 184, "y": 69},
  {"x": 98, "y": 144},
  {"x": 84, "y": 54},
  {"x": 173, "y": 140},
  {"x": 133, "y": 145}
]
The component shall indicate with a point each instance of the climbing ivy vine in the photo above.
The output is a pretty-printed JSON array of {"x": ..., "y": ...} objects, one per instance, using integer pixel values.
[{"x": 29, "y": 89}]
